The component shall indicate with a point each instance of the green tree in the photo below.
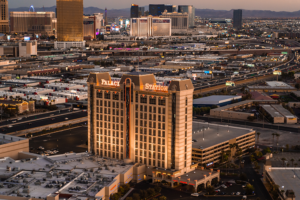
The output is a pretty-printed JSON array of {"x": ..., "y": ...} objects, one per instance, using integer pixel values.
[
  {"x": 210, "y": 190},
  {"x": 258, "y": 134},
  {"x": 249, "y": 188},
  {"x": 150, "y": 192},
  {"x": 136, "y": 196},
  {"x": 267, "y": 150},
  {"x": 162, "y": 198},
  {"x": 283, "y": 159},
  {"x": 157, "y": 189}
]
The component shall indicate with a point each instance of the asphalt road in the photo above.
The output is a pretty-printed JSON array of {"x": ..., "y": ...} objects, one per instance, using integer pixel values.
[
  {"x": 64, "y": 141},
  {"x": 33, "y": 117},
  {"x": 42, "y": 122}
]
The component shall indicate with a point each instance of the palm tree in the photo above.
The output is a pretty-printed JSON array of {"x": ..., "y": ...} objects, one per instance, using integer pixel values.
[
  {"x": 273, "y": 134},
  {"x": 283, "y": 159},
  {"x": 258, "y": 134},
  {"x": 292, "y": 160},
  {"x": 277, "y": 137}
]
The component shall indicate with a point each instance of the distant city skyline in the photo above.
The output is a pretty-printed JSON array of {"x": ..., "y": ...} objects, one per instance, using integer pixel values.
[{"x": 274, "y": 5}]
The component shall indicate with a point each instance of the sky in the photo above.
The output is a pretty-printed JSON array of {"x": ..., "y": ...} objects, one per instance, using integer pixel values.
[{"x": 274, "y": 5}]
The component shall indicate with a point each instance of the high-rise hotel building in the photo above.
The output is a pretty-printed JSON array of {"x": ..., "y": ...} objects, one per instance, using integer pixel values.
[{"x": 139, "y": 120}]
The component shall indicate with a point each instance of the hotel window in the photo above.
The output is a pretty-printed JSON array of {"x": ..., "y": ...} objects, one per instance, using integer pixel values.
[
  {"x": 117, "y": 119},
  {"x": 121, "y": 105},
  {"x": 150, "y": 131},
  {"x": 143, "y": 99},
  {"x": 141, "y": 115},
  {"x": 186, "y": 118},
  {"x": 136, "y": 107},
  {"x": 97, "y": 104},
  {"x": 136, "y": 97},
  {"x": 159, "y": 118},
  {"x": 136, "y": 122},
  {"x": 163, "y": 111},
  {"x": 117, "y": 104},
  {"x": 154, "y": 109},
  {"x": 145, "y": 116},
  {"x": 149, "y": 161},
  {"x": 162, "y": 102},
  {"x": 145, "y": 108},
  {"x": 116, "y": 96},
  {"x": 141, "y": 108},
  {"x": 154, "y": 125},
  {"x": 97, "y": 117},
  {"x": 163, "y": 134},
  {"x": 163, "y": 119},
  {"x": 107, "y": 95},
  {"x": 153, "y": 100},
  {"x": 163, "y": 141},
  {"x": 136, "y": 115},
  {"x": 159, "y": 110},
  {"x": 101, "y": 110},
  {"x": 99, "y": 94},
  {"x": 145, "y": 124},
  {"x": 185, "y": 110},
  {"x": 105, "y": 103},
  {"x": 113, "y": 104},
  {"x": 150, "y": 117},
  {"x": 145, "y": 154},
  {"x": 154, "y": 117},
  {"x": 141, "y": 145},
  {"x": 101, "y": 102},
  {"x": 109, "y": 104},
  {"x": 154, "y": 133},
  {"x": 159, "y": 133},
  {"x": 163, "y": 126},
  {"x": 153, "y": 155},
  {"x": 186, "y": 101},
  {"x": 150, "y": 108}
]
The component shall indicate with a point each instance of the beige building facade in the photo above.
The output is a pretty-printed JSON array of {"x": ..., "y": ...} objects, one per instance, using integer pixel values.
[
  {"x": 11, "y": 146},
  {"x": 138, "y": 120},
  {"x": 4, "y": 19}
]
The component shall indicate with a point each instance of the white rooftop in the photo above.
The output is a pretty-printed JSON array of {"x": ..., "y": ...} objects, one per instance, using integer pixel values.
[{"x": 216, "y": 99}]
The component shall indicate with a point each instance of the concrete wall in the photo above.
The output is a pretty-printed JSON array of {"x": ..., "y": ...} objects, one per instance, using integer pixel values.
[{"x": 12, "y": 149}]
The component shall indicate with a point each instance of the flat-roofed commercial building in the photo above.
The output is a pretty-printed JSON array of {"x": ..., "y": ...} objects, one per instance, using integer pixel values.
[
  {"x": 288, "y": 116},
  {"x": 274, "y": 114},
  {"x": 150, "y": 26},
  {"x": 33, "y": 22},
  {"x": 137, "y": 120},
  {"x": 272, "y": 86},
  {"x": 211, "y": 140}
]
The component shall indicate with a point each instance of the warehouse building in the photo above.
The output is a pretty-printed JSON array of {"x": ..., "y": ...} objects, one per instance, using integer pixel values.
[
  {"x": 289, "y": 118},
  {"x": 10, "y": 146},
  {"x": 272, "y": 86},
  {"x": 211, "y": 140},
  {"x": 215, "y": 100},
  {"x": 275, "y": 115}
]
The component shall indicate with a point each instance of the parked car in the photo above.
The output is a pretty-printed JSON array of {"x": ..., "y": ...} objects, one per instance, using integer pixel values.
[{"x": 195, "y": 194}]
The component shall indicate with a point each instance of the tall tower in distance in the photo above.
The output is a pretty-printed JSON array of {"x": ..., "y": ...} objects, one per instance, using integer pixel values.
[
  {"x": 4, "y": 21},
  {"x": 134, "y": 11},
  {"x": 237, "y": 19},
  {"x": 105, "y": 19},
  {"x": 69, "y": 20}
]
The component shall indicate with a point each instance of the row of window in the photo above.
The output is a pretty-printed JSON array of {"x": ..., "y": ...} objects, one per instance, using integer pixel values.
[
  {"x": 142, "y": 108},
  {"x": 160, "y": 156},
  {"x": 109, "y": 104},
  {"x": 150, "y": 162},
  {"x": 150, "y": 124},
  {"x": 109, "y": 154},
  {"x": 107, "y": 132},
  {"x": 108, "y": 125},
  {"x": 151, "y": 147},
  {"x": 108, "y": 117},
  {"x": 161, "y": 118},
  {"x": 108, "y": 111},
  {"x": 147, "y": 130}
]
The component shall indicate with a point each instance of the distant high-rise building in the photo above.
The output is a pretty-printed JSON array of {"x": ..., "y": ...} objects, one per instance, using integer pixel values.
[
  {"x": 134, "y": 11},
  {"x": 179, "y": 21},
  {"x": 141, "y": 11},
  {"x": 69, "y": 24},
  {"x": 190, "y": 10},
  {"x": 105, "y": 17},
  {"x": 237, "y": 19},
  {"x": 69, "y": 20},
  {"x": 169, "y": 8},
  {"x": 4, "y": 21},
  {"x": 33, "y": 22},
  {"x": 174, "y": 8},
  {"x": 156, "y": 9}
]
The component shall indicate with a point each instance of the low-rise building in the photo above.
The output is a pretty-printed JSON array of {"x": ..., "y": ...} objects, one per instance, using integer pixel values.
[
  {"x": 32, "y": 91},
  {"x": 216, "y": 100},
  {"x": 10, "y": 146},
  {"x": 20, "y": 105},
  {"x": 63, "y": 86},
  {"x": 210, "y": 141},
  {"x": 274, "y": 114},
  {"x": 272, "y": 86}
]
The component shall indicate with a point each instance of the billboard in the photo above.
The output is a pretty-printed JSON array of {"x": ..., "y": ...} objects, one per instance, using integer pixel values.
[
  {"x": 230, "y": 83},
  {"x": 207, "y": 72},
  {"x": 277, "y": 72},
  {"x": 26, "y": 38}
]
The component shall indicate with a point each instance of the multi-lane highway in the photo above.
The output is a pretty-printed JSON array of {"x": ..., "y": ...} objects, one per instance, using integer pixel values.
[{"x": 42, "y": 121}]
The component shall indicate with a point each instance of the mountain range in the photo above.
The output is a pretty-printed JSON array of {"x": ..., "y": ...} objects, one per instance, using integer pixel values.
[{"x": 204, "y": 13}]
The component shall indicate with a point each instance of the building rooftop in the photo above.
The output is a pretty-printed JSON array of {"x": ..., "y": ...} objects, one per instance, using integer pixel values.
[
  {"x": 287, "y": 179},
  {"x": 216, "y": 99},
  {"x": 215, "y": 134},
  {"x": 277, "y": 84},
  {"x": 5, "y": 139},
  {"x": 72, "y": 174},
  {"x": 272, "y": 111}
]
